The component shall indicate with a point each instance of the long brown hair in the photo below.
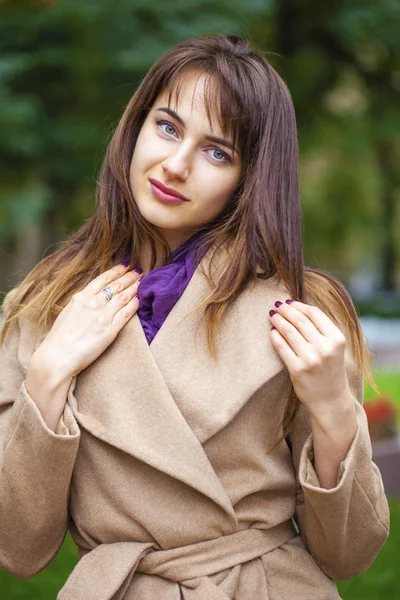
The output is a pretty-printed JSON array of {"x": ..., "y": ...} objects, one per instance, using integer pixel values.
[{"x": 261, "y": 222}]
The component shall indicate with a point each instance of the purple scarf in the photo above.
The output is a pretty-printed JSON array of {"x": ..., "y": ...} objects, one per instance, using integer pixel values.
[{"x": 162, "y": 287}]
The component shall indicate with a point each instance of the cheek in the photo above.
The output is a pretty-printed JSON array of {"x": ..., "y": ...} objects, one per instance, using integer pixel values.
[
  {"x": 215, "y": 193},
  {"x": 220, "y": 187},
  {"x": 146, "y": 150},
  {"x": 142, "y": 160},
  {"x": 141, "y": 157}
]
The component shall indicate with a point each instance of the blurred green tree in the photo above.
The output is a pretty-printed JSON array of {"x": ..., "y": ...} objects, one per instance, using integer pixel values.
[{"x": 342, "y": 62}]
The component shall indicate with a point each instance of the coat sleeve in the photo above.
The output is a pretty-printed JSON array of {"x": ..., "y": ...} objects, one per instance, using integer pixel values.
[
  {"x": 35, "y": 470},
  {"x": 343, "y": 527}
]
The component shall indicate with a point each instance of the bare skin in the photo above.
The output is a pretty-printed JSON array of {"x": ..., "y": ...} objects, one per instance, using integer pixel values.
[
  {"x": 313, "y": 349},
  {"x": 80, "y": 334},
  {"x": 145, "y": 257},
  {"x": 179, "y": 151}
]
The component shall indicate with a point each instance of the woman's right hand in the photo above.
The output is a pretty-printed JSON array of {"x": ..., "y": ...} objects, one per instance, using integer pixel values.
[{"x": 89, "y": 323}]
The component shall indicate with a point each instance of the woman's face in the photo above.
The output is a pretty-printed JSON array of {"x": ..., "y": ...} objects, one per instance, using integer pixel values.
[{"x": 176, "y": 151}]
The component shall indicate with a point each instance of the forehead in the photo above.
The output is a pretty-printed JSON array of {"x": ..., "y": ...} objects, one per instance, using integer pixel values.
[{"x": 196, "y": 94}]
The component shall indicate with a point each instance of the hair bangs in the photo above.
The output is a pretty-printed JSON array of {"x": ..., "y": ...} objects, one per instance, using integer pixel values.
[{"x": 222, "y": 107}]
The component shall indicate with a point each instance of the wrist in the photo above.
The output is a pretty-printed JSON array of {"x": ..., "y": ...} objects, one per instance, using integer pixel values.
[
  {"x": 334, "y": 428},
  {"x": 336, "y": 422},
  {"x": 333, "y": 412},
  {"x": 47, "y": 372},
  {"x": 47, "y": 385}
]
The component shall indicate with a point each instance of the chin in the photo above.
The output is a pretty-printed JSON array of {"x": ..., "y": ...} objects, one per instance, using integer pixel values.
[{"x": 155, "y": 216}]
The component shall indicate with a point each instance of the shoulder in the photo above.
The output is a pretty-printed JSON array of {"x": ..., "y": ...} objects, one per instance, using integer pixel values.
[
  {"x": 249, "y": 314},
  {"x": 261, "y": 292},
  {"x": 8, "y": 301},
  {"x": 22, "y": 332}
]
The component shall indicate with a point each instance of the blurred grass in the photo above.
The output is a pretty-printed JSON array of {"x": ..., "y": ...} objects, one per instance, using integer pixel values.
[
  {"x": 380, "y": 581},
  {"x": 382, "y": 578},
  {"x": 45, "y": 585},
  {"x": 388, "y": 383}
]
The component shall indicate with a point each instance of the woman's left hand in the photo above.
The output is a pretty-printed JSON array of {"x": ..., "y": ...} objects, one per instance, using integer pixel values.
[{"x": 313, "y": 350}]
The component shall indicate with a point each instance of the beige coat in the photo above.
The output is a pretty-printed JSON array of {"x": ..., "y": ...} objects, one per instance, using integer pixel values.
[{"x": 159, "y": 469}]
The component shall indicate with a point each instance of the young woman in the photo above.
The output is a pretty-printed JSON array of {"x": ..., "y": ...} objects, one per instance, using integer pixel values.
[{"x": 196, "y": 422}]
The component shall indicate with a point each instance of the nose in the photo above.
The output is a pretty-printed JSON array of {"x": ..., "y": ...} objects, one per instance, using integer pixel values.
[{"x": 176, "y": 165}]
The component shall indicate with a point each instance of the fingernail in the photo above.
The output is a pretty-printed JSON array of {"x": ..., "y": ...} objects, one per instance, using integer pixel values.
[
  {"x": 288, "y": 301},
  {"x": 278, "y": 303},
  {"x": 139, "y": 270},
  {"x": 273, "y": 327},
  {"x": 272, "y": 313}
]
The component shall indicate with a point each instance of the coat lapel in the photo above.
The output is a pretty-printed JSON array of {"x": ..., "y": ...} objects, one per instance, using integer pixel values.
[
  {"x": 210, "y": 394},
  {"x": 141, "y": 398}
]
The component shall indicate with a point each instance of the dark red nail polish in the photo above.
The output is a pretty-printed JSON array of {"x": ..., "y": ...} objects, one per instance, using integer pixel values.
[
  {"x": 288, "y": 301},
  {"x": 272, "y": 313},
  {"x": 278, "y": 303},
  {"x": 273, "y": 327},
  {"x": 139, "y": 270}
]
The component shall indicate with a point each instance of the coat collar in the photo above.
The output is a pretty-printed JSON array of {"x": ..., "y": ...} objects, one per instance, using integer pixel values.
[{"x": 149, "y": 401}]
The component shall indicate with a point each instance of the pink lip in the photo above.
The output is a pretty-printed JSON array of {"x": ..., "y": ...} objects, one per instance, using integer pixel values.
[{"x": 166, "y": 194}]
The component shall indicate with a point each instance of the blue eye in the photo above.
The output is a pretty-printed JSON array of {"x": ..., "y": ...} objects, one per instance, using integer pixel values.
[
  {"x": 223, "y": 157},
  {"x": 168, "y": 124},
  {"x": 221, "y": 153}
]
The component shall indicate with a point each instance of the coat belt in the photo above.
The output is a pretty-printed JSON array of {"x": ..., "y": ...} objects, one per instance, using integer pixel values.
[{"x": 106, "y": 572}]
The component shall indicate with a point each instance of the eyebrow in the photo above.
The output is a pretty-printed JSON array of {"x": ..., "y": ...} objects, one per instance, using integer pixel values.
[{"x": 211, "y": 138}]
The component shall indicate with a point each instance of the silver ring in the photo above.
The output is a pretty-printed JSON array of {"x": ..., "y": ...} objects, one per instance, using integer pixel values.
[{"x": 108, "y": 293}]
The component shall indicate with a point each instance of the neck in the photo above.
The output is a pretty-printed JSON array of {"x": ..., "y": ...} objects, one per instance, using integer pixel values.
[
  {"x": 145, "y": 253},
  {"x": 145, "y": 258}
]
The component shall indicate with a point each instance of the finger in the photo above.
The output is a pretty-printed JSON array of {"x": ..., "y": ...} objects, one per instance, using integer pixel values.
[
  {"x": 121, "y": 299},
  {"x": 291, "y": 334},
  {"x": 123, "y": 315},
  {"x": 310, "y": 315},
  {"x": 286, "y": 353},
  {"x": 119, "y": 285},
  {"x": 106, "y": 278},
  {"x": 298, "y": 320}
]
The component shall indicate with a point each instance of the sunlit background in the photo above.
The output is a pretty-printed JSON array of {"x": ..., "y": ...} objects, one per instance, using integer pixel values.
[{"x": 67, "y": 70}]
